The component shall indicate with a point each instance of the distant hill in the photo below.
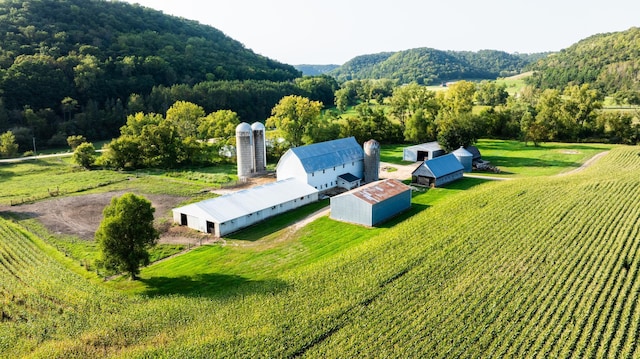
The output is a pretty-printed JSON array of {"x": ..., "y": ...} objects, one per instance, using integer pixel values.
[
  {"x": 430, "y": 66},
  {"x": 610, "y": 62},
  {"x": 314, "y": 70}
]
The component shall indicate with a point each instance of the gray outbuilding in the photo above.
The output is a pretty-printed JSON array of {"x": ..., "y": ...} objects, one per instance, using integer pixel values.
[
  {"x": 465, "y": 158},
  {"x": 372, "y": 203},
  {"x": 438, "y": 171},
  {"x": 422, "y": 152},
  {"x": 232, "y": 212}
]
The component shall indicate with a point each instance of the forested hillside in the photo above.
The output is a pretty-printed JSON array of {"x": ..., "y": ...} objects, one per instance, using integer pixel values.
[
  {"x": 430, "y": 66},
  {"x": 609, "y": 62},
  {"x": 59, "y": 59}
]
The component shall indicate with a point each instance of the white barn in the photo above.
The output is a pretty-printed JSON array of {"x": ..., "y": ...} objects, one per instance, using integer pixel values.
[
  {"x": 234, "y": 211},
  {"x": 320, "y": 164},
  {"x": 372, "y": 203}
]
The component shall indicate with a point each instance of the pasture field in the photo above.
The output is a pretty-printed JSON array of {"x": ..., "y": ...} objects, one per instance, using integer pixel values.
[
  {"x": 543, "y": 266},
  {"x": 514, "y": 83}
]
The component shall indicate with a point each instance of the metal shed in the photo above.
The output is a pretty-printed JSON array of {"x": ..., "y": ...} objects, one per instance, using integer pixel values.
[
  {"x": 372, "y": 203},
  {"x": 422, "y": 152},
  {"x": 320, "y": 164},
  {"x": 438, "y": 171},
  {"x": 232, "y": 212}
]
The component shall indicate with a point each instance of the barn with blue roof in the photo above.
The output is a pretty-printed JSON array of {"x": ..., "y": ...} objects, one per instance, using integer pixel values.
[
  {"x": 324, "y": 165},
  {"x": 438, "y": 171}
]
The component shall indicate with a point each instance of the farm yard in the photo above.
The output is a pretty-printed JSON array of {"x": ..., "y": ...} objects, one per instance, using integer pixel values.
[{"x": 542, "y": 265}]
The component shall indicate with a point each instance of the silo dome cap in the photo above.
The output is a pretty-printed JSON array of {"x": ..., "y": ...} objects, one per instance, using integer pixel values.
[
  {"x": 372, "y": 143},
  {"x": 243, "y": 127},
  {"x": 257, "y": 126},
  {"x": 462, "y": 152}
]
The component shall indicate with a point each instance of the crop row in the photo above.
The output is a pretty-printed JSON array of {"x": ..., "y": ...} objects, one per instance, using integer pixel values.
[{"x": 552, "y": 274}]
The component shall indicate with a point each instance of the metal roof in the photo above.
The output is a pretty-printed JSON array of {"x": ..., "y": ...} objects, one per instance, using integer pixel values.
[
  {"x": 349, "y": 177},
  {"x": 474, "y": 151},
  {"x": 439, "y": 166},
  {"x": 379, "y": 191},
  {"x": 428, "y": 146},
  {"x": 323, "y": 155},
  {"x": 239, "y": 204},
  {"x": 462, "y": 152}
]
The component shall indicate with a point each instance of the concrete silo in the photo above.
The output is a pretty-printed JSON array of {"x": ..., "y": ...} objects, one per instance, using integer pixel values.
[
  {"x": 465, "y": 158},
  {"x": 259, "y": 148},
  {"x": 244, "y": 149},
  {"x": 371, "y": 161}
]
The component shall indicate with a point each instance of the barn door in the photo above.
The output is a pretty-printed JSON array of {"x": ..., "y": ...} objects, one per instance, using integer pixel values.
[
  {"x": 183, "y": 219},
  {"x": 211, "y": 227}
]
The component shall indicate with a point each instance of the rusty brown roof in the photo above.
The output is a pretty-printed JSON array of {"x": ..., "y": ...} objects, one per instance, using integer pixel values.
[{"x": 379, "y": 191}]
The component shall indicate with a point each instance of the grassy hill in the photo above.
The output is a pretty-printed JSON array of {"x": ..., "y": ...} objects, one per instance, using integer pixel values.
[{"x": 539, "y": 266}]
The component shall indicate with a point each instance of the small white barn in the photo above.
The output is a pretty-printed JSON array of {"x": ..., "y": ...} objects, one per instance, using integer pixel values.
[
  {"x": 422, "y": 152},
  {"x": 372, "y": 203},
  {"x": 234, "y": 211},
  {"x": 320, "y": 164},
  {"x": 438, "y": 171}
]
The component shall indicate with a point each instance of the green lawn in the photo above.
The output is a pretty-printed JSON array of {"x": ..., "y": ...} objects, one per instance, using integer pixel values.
[{"x": 515, "y": 159}]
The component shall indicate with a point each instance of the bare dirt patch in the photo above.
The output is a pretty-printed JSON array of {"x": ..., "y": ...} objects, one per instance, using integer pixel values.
[{"x": 81, "y": 215}]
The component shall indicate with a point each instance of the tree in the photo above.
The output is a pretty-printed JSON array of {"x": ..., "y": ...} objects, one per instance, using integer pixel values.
[
  {"x": 186, "y": 116},
  {"x": 489, "y": 93},
  {"x": 548, "y": 121},
  {"x": 295, "y": 117},
  {"x": 75, "y": 140},
  {"x": 126, "y": 233},
  {"x": 219, "y": 124},
  {"x": 84, "y": 155},
  {"x": 8, "y": 145},
  {"x": 459, "y": 131},
  {"x": 458, "y": 99},
  {"x": 579, "y": 107},
  {"x": 408, "y": 99}
]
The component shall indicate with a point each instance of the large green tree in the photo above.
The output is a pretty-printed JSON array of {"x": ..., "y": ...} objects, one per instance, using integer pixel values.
[
  {"x": 186, "y": 117},
  {"x": 295, "y": 117},
  {"x": 126, "y": 233},
  {"x": 218, "y": 124}
]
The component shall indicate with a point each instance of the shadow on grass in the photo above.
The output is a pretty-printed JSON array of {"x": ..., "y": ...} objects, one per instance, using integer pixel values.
[
  {"x": 210, "y": 285},
  {"x": 412, "y": 211}
]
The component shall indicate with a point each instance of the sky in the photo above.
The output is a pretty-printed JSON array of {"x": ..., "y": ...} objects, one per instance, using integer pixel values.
[{"x": 335, "y": 31}]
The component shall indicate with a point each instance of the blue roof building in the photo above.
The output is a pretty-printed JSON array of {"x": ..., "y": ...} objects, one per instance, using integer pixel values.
[
  {"x": 438, "y": 171},
  {"x": 320, "y": 164}
]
